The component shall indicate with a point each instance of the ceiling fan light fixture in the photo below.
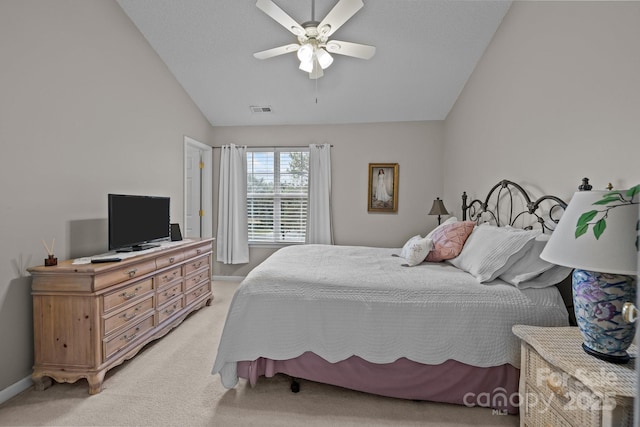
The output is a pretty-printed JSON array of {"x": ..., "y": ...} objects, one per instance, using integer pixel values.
[
  {"x": 324, "y": 58},
  {"x": 313, "y": 46},
  {"x": 306, "y": 66},
  {"x": 305, "y": 53}
]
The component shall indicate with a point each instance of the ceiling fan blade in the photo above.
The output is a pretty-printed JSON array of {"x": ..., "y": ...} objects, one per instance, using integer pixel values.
[
  {"x": 281, "y": 50},
  {"x": 356, "y": 50},
  {"x": 280, "y": 16},
  {"x": 340, "y": 14}
]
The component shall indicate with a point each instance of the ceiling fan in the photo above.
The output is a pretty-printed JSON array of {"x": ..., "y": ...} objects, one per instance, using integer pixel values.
[{"x": 313, "y": 45}]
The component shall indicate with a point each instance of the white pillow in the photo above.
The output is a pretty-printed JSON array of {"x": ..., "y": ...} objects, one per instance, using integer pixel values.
[
  {"x": 404, "y": 252},
  {"x": 553, "y": 276},
  {"x": 491, "y": 250},
  {"x": 530, "y": 265},
  {"x": 447, "y": 222},
  {"x": 418, "y": 251}
]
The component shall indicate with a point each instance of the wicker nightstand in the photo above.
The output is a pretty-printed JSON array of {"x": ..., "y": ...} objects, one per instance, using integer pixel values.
[{"x": 561, "y": 385}]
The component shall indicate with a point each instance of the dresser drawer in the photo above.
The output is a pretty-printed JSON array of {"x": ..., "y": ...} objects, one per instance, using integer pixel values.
[
  {"x": 196, "y": 264},
  {"x": 568, "y": 396},
  {"x": 167, "y": 277},
  {"x": 128, "y": 315},
  {"x": 122, "y": 296},
  {"x": 170, "y": 259},
  {"x": 167, "y": 310},
  {"x": 198, "y": 292},
  {"x": 195, "y": 279},
  {"x": 169, "y": 292},
  {"x": 118, "y": 342},
  {"x": 125, "y": 273},
  {"x": 198, "y": 250}
]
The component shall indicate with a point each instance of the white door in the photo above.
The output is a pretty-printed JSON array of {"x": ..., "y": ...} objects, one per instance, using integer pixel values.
[
  {"x": 197, "y": 189},
  {"x": 193, "y": 186}
]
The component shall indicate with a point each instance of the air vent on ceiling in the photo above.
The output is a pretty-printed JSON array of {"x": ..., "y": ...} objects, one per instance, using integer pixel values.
[{"x": 260, "y": 110}]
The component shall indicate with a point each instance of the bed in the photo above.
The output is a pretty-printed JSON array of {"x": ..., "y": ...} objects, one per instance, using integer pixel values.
[{"x": 378, "y": 321}]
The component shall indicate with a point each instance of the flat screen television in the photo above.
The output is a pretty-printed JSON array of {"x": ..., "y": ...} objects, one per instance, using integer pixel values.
[{"x": 137, "y": 222}]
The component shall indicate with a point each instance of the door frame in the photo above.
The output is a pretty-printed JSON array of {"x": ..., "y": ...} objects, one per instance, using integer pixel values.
[{"x": 206, "y": 187}]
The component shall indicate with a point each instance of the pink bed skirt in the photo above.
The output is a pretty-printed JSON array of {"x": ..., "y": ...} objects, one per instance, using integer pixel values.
[{"x": 450, "y": 382}]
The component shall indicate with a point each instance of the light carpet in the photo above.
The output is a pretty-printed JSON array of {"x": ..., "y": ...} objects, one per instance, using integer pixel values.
[{"x": 169, "y": 384}]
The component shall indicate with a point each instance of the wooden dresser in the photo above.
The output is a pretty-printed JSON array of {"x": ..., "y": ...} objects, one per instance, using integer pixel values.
[
  {"x": 562, "y": 386},
  {"x": 88, "y": 318}
]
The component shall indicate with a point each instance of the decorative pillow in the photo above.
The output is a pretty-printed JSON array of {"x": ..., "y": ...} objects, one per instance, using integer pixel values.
[
  {"x": 530, "y": 265},
  {"x": 491, "y": 250},
  {"x": 447, "y": 222},
  {"x": 404, "y": 252},
  {"x": 418, "y": 250},
  {"x": 449, "y": 239},
  {"x": 553, "y": 276}
]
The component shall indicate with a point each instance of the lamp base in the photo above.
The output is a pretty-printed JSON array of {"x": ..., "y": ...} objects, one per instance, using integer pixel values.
[
  {"x": 598, "y": 300},
  {"x": 620, "y": 360}
]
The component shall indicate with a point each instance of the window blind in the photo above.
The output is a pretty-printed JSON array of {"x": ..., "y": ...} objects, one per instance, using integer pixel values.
[{"x": 277, "y": 194}]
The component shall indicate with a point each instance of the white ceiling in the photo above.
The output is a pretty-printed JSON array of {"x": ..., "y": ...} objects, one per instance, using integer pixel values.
[{"x": 426, "y": 51}]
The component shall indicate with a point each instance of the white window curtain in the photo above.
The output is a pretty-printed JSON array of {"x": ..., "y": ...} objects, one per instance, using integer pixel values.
[
  {"x": 232, "y": 239},
  {"x": 319, "y": 224}
]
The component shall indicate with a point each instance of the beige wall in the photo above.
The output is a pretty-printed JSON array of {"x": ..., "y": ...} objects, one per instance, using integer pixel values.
[
  {"x": 415, "y": 146},
  {"x": 555, "y": 97},
  {"x": 87, "y": 108}
]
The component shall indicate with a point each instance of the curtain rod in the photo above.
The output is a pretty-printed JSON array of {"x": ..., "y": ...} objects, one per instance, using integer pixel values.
[{"x": 272, "y": 146}]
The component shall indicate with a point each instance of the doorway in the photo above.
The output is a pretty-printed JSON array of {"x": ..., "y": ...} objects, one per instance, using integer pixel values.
[{"x": 198, "y": 184}]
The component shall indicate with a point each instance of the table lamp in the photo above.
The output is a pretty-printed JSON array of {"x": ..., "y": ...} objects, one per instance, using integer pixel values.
[
  {"x": 598, "y": 237},
  {"x": 438, "y": 209}
]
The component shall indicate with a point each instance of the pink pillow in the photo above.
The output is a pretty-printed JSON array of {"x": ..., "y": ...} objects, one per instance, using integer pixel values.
[{"x": 449, "y": 240}]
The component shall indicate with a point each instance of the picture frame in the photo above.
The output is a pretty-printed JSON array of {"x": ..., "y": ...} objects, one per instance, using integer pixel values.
[{"x": 383, "y": 187}]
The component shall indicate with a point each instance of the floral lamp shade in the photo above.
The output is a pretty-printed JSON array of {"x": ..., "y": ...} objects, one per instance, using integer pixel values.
[{"x": 598, "y": 237}]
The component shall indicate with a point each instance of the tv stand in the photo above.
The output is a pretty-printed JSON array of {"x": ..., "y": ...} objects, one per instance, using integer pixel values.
[
  {"x": 136, "y": 248},
  {"x": 89, "y": 318}
]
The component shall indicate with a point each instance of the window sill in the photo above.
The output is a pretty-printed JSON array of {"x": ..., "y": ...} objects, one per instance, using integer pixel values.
[{"x": 272, "y": 245}]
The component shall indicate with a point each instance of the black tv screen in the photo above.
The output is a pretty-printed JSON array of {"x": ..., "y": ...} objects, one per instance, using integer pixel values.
[{"x": 136, "y": 221}]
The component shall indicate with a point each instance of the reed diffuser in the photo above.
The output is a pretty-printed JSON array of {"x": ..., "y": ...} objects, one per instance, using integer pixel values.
[{"x": 51, "y": 260}]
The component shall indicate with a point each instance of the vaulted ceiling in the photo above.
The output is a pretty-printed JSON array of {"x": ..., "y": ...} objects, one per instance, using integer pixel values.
[{"x": 425, "y": 52}]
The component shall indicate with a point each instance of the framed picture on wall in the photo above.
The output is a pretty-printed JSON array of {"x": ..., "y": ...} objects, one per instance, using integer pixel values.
[{"x": 383, "y": 187}]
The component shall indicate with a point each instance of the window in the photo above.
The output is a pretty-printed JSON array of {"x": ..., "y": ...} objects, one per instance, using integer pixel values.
[{"x": 277, "y": 195}]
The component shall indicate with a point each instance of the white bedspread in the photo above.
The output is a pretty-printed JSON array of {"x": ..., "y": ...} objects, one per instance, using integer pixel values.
[{"x": 339, "y": 301}]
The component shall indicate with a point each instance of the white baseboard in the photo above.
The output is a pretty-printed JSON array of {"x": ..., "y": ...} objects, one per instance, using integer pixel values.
[
  {"x": 15, "y": 389},
  {"x": 228, "y": 278}
]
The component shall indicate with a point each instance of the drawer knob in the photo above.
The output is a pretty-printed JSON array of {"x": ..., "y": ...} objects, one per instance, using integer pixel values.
[
  {"x": 171, "y": 310},
  {"x": 127, "y": 296},
  {"x": 128, "y": 338},
  {"x": 168, "y": 278},
  {"x": 556, "y": 388},
  {"x": 171, "y": 260},
  {"x": 131, "y": 272},
  {"x": 129, "y": 317}
]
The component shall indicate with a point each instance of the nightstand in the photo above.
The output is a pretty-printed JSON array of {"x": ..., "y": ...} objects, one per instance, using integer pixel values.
[{"x": 561, "y": 385}]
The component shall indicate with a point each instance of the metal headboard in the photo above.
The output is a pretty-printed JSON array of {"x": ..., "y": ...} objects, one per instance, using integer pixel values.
[
  {"x": 493, "y": 210},
  {"x": 500, "y": 207}
]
